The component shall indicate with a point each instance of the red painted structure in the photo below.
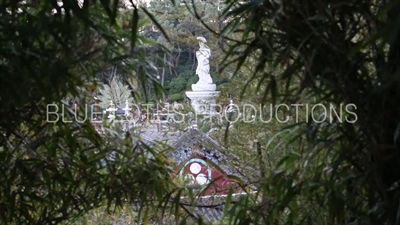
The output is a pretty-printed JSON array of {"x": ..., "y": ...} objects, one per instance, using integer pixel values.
[{"x": 204, "y": 175}]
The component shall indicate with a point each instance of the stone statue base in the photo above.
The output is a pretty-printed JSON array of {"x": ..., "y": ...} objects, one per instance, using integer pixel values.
[
  {"x": 204, "y": 87},
  {"x": 203, "y": 102}
]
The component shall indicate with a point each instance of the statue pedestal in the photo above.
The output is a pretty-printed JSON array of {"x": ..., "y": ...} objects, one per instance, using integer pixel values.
[
  {"x": 203, "y": 102},
  {"x": 204, "y": 87}
]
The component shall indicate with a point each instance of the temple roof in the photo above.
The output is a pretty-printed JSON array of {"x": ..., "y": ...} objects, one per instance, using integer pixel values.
[{"x": 184, "y": 145}]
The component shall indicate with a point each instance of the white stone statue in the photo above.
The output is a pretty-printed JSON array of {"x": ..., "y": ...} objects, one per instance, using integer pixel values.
[
  {"x": 205, "y": 82},
  {"x": 203, "y": 62}
]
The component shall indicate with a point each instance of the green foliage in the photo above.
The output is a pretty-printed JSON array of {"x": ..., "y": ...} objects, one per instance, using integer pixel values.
[
  {"x": 54, "y": 170},
  {"x": 177, "y": 84},
  {"x": 116, "y": 92},
  {"x": 223, "y": 87},
  {"x": 335, "y": 172},
  {"x": 175, "y": 97},
  {"x": 183, "y": 81},
  {"x": 125, "y": 215}
]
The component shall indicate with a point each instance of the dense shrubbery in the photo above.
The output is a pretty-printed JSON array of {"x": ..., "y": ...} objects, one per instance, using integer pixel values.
[
  {"x": 175, "y": 97},
  {"x": 328, "y": 53},
  {"x": 54, "y": 171}
]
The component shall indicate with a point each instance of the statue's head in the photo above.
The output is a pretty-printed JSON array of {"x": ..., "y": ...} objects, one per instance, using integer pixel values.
[
  {"x": 202, "y": 42},
  {"x": 202, "y": 39}
]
